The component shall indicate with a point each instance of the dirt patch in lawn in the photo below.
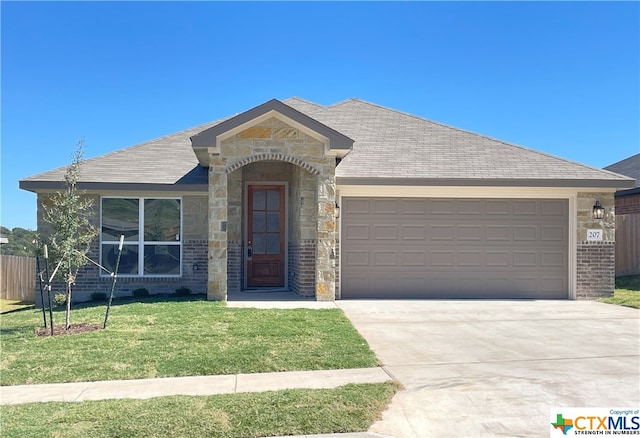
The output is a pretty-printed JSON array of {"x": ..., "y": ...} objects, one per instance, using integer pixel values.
[{"x": 73, "y": 329}]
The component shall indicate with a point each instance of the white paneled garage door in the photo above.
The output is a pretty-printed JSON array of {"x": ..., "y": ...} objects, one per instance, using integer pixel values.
[{"x": 454, "y": 248}]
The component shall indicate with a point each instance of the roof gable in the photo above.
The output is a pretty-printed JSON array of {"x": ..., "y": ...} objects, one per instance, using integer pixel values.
[{"x": 209, "y": 140}]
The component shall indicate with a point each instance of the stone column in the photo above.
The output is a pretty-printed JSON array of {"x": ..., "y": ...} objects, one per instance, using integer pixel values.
[
  {"x": 326, "y": 220},
  {"x": 217, "y": 281}
]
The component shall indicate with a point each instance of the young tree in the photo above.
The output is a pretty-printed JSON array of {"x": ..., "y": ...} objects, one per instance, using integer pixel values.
[{"x": 68, "y": 213}]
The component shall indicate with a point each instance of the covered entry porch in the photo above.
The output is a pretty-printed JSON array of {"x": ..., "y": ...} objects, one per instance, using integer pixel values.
[
  {"x": 272, "y": 228},
  {"x": 272, "y": 198}
]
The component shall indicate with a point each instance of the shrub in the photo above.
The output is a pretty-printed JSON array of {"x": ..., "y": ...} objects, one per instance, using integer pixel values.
[
  {"x": 60, "y": 299},
  {"x": 183, "y": 292},
  {"x": 141, "y": 292},
  {"x": 98, "y": 296}
]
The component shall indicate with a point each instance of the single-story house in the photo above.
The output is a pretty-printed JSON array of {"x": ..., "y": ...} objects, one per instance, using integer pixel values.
[
  {"x": 351, "y": 200},
  {"x": 628, "y": 218}
]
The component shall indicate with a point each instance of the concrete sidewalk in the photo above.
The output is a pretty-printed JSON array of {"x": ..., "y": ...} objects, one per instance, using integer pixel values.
[{"x": 193, "y": 385}]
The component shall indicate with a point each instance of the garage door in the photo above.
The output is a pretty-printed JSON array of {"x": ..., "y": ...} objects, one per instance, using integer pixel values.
[{"x": 454, "y": 248}]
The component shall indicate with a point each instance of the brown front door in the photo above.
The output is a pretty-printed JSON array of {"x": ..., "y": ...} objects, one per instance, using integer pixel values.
[{"x": 265, "y": 236}]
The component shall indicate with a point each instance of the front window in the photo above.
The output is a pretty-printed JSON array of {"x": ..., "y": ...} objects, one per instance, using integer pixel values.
[{"x": 152, "y": 236}]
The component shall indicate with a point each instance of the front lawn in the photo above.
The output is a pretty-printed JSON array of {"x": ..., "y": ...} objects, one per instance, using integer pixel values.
[
  {"x": 627, "y": 292},
  {"x": 351, "y": 408},
  {"x": 186, "y": 337},
  {"x": 13, "y": 305}
]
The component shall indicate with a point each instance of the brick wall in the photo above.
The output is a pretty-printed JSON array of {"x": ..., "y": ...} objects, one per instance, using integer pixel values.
[
  {"x": 194, "y": 276},
  {"x": 302, "y": 267},
  {"x": 235, "y": 266},
  {"x": 596, "y": 269},
  {"x": 92, "y": 279}
]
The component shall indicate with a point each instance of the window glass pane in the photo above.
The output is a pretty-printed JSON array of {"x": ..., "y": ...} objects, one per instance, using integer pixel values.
[
  {"x": 273, "y": 221},
  {"x": 119, "y": 216},
  {"x": 258, "y": 222},
  {"x": 258, "y": 200},
  {"x": 128, "y": 259},
  {"x": 273, "y": 199},
  {"x": 161, "y": 259},
  {"x": 273, "y": 243},
  {"x": 162, "y": 220},
  {"x": 259, "y": 244}
]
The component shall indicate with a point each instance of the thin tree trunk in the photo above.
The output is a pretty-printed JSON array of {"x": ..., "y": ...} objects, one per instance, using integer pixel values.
[{"x": 67, "y": 321}]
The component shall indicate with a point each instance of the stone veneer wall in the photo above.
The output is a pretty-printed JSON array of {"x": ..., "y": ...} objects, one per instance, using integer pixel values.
[
  {"x": 338, "y": 291},
  {"x": 255, "y": 153},
  {"x": 595, "y": 261},
  {"x": 218, "y": 205}
]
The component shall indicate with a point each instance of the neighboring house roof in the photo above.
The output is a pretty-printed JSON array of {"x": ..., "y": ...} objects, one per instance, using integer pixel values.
[
  {"x": 390, "y": 147},
  {"x": 631, "y": 168}
]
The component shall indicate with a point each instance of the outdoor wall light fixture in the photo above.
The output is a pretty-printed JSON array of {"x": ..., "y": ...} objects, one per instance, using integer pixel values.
[
  {"x": 598, "y": 211},
  {"x": 195, "y": 267},
  {"x": 337, "y": 211}
]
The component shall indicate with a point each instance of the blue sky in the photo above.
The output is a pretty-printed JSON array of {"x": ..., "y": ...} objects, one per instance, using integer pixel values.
[{"x": 562, "y": 78}]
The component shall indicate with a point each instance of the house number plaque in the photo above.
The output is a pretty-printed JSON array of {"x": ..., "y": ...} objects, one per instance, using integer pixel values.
[{"x": 594, "y": 235}]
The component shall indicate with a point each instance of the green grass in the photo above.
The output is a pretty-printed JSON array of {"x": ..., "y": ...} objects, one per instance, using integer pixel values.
[
  {"x": 627, "y": 292},
  {"x": 351, "y": 408},
  {"x": 7, "y": 306},
  {"x": 179, "y": 337}
]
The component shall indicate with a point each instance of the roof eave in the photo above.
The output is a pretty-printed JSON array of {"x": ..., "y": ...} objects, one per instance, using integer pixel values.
[
  {"x": 630, "y": 192},
  {"x": 38, "y": 186},
  {"x": 486, "y": 182}
]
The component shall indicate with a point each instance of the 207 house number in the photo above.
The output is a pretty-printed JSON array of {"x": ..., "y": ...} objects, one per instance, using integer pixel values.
[{"x": 594, "y": 235}]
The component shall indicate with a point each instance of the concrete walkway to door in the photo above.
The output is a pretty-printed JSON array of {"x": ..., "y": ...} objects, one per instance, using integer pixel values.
[{"x": 497, "y": 368}]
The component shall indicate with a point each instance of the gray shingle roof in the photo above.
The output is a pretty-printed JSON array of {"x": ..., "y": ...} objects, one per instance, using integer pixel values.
[
  {"x": 167, "y": 161},
  {"x": 390, "y": 147},
  {"x": 629, "y": 167}
]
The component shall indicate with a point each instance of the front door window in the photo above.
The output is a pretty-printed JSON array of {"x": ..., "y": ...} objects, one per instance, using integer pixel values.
[{"x": 265, "y": 236}]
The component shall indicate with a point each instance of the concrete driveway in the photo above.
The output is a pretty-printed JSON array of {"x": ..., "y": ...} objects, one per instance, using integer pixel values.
[{"x": 496, "y": 368}]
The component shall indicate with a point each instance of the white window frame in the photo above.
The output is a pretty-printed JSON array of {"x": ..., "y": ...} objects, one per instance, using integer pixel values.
[{"x": 140, "y": 243}]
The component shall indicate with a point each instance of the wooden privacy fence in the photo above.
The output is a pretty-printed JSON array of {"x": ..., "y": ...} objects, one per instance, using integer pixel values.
[
  {"x": 17, "y": 278},
  {"x": 627, "y": 244}
]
